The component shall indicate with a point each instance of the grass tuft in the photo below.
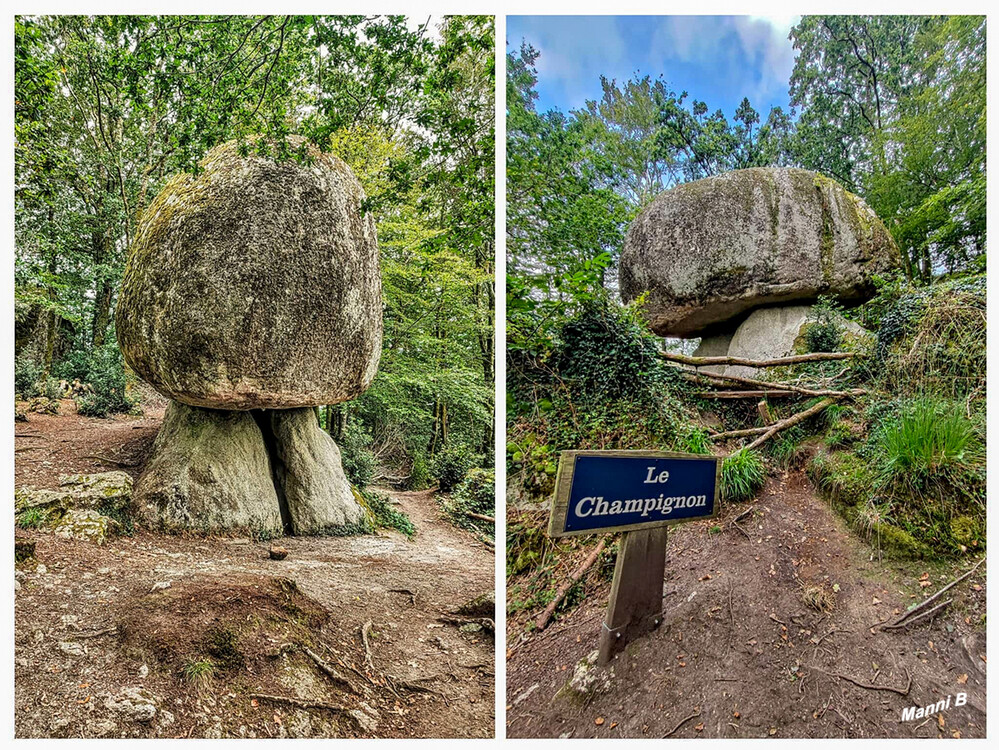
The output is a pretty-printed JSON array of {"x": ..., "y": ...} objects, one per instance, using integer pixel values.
[
  {"x": 32, "y": 518},
  {"x": 924, "y": 441},
  {"x": 200, "y": 673},
  {"x": 742, "y": 475}
]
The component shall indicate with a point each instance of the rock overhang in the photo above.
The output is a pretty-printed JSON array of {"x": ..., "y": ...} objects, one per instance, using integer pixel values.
[{"x": 709, "y": 252}]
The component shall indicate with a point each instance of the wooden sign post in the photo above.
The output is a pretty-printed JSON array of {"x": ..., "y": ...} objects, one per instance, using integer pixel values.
[{"x": 639, "y": 493}]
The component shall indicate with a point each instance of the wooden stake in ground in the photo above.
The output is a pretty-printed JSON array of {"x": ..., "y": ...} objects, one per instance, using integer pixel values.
[
  {"x": 764, "y": 409},
  {"x": 545, "y": 617},
  {"x": 636, "y": 598}
]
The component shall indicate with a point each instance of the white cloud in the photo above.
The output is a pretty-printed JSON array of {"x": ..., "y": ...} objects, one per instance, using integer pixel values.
[
  {"x": 575, "y": 52},
  {"x": 747, "y": 54}
]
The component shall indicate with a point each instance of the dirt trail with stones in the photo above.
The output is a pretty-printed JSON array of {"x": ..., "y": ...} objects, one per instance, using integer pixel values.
[
  {"x": 83, "y": 668},
  {"x": 740, "y": 654}
]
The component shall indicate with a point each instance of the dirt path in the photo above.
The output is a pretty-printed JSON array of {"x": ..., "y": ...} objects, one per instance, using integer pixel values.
[
  {"x": 49, "y": 445},
  {"x": 740, "y": 649},
  {"x": 68, "y": 674}
]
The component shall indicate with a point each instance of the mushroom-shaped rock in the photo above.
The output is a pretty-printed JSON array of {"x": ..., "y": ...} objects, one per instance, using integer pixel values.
[
  {"x": 254, "y": 284},
  {"x": 709, "y": 251}
]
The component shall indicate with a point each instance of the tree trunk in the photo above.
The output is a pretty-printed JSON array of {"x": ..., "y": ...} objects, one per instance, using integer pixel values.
[
  {"x": 102, "y": 291},
  {"x": 53, "y": 321},
  {"x": 102, "y": 314}
]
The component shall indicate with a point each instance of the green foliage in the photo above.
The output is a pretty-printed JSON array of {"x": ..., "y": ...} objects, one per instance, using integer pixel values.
[
  {"x": 386, "y": 516},
  {"x": 924, "y": 442},
  {"x": 694, "y": 440},
  {"x": 27, "y": 374},
  {"x": 359, "y": 463},
  {"x": 785, "y": 448},
  {"x": 51, "y": 390},
  {"x": 419, "y": 475},
  {"x": 743, "y": 475},
  {"x": 600, "y": 385},
  {"x": 476, "y": 494},
  {"x": 822, "y": 333},
  {"x": 32, "y": 518},
  {"x": 106, "y": 375},
  {"x": 916, "y": 486},
  {"x": 606, "y": 353},
  {"x": 912, "y": 83},
  {"x": 839, "y": 434},
  {"x": 450, "y": 466},
  {"x": 527, "y": 545},
  {"x": 931, "y": 340}
]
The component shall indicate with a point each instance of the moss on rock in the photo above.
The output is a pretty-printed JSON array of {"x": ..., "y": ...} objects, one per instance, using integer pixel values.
[
  {"x": 709, "y": 251},
  {"x": 210, "y": 470},
  {"x": 254, "y": 284}
]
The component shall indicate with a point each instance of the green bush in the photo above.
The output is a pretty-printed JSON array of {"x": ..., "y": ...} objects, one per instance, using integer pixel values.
[
  {"x": 606, "y": 352},
  {"x": 419, "y": 475},
  {"x": 476, "y": 494},
  {"x": 822, "y": 334},
  {"x": 925, "y": 440},
  {"x": 359, "y": 463},
  {"x": 742, "y": 475},
  {"x": 27, "y": 374},
  {"x": 786, "y": 448},
  {"x": 450, "y": 466},
  {"x": 52, "y": 389},
  {"x": 386, "y": 516},
  {"x": 32, "y": 518},
  {"x": 106, "y": 375}
]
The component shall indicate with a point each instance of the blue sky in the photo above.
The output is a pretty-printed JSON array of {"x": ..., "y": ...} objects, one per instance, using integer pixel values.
[{"x": 717, "y": 59}]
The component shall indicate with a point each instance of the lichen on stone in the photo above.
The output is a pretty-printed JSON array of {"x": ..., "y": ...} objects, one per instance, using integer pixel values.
[{"x": 709, "y": 251}]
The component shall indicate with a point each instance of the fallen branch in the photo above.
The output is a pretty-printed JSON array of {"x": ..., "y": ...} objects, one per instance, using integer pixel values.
[
  {"x": 926, "y": 602},
  {"x": 298, "y": 702},
  {"x": 722, "y": 381},
  {"x": 791, "y": 422},
  {"x": 743, "y": 394},
  {"x": 367, "y": 646},
  {"x": 777, "y": 362},
  {"x": 545, "y": 617},
  {"x": 480, "y": 517},
  {"x": 682, "y": 722},
  {"x": 865, "y": 686},
  {"x": 917, "y": 618}
]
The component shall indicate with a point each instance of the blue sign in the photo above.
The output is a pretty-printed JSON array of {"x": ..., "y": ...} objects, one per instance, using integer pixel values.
[{"x": 608, "y": 490}]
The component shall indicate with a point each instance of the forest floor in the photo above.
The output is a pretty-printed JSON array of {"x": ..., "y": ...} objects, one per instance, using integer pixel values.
[
  {"x": 740, "y": 654},
  {"x": 350, "y": 637}
]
